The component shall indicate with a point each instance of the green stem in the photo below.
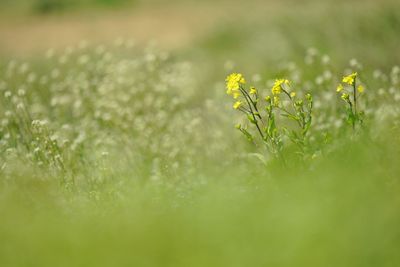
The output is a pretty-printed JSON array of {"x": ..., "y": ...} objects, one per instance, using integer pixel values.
[
  {"x": 252, "y": 113},
  {"x": 251, "y": 100},
  {"x": 355, "y": 96}
]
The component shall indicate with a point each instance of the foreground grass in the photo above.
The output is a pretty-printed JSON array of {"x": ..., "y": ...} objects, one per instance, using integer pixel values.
[{"x": 341, "y": 212}]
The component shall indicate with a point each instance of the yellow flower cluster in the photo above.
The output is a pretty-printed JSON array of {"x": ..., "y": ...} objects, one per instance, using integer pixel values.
[
  {"x": 233, "y": 82},
  {"x": 237, "y": 104},
  {"x": 276, "y": 101},
  {"x": 339, "y": 88},
  {"x": 345, "y": 96},
  {"x": 277, "y": 88},
  {"x": 253, "y": 91},
  {"x": 350, "y": 79}
]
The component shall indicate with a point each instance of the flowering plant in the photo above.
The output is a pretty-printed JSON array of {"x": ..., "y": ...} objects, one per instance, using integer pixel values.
[
  {"x": 350, "y": 93},
  {"x": 262, "y": 112}
]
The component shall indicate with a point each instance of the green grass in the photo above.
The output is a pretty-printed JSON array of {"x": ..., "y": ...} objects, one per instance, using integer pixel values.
[
  {"x": 339, "y": 213},
  {"x": 128, "y": 156}
]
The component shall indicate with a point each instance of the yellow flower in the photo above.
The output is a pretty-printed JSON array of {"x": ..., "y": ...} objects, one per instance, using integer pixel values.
[
  {"x": 345, "y": 96},
  {"x": 267, "y": 98},
  {"x": 233, "y": 82},
  {"x": 292, "y": 94},
  {"x": 361, "y": 89},
  {"x": 339, "y": 88},
  {"x": 235, "y": 94},
  {"x": 277, "y": 88},
  {"x": 350, "y": 78},
  {"x": 276, "y": 101},
  {"x": 237, "y": 104},
  {"x": 253, "y": 90}
]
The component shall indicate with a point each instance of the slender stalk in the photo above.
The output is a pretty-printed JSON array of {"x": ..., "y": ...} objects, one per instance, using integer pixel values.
[
  {"x": 355, "y": 96},
  {"x": 252, "y": 113},
  {"x": 251, "y": 100},
  {"x": 353, "y": 122},
  {"x": 286, "y": 92},
  {"x": 291, "y": 115}
]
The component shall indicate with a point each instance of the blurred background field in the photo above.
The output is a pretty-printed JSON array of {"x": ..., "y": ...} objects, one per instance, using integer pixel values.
[
  {"x": 118, "y": 147},
  {"x": 238, "y": 30}
]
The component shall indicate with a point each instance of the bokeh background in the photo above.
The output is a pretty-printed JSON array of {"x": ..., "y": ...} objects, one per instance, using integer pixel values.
[{"x": 261, "y": 32}]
